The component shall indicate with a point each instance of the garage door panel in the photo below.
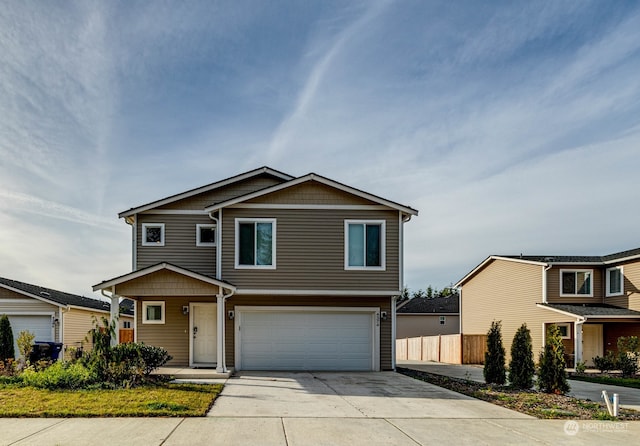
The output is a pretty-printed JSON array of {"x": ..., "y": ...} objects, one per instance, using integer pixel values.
[
  {"x": 39, "y": 325},
  {"x": 273, "y": 340}
]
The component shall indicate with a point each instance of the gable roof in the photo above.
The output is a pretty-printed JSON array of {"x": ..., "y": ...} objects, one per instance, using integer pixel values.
[
  {"x": 313, "y": 177},
  {"x": 60, "y": 298},
  {"x": 422, "y": 305},
  {"x": 209, "y": 187}
]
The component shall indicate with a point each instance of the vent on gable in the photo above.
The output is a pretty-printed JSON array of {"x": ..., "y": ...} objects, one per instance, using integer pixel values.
[{"x": 45, "y": 294}]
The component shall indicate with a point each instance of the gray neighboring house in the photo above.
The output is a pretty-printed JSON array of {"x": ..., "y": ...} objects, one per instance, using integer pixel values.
[
  {"x": 52, "y": 315},
  {"x": 428, "y": 317}
]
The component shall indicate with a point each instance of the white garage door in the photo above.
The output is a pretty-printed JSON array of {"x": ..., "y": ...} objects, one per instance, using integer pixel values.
[
  {"x": 306, "y": 340},
  {"x": 38, "y": 325}
]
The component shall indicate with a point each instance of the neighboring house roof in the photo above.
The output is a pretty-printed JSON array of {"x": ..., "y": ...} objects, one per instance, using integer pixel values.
[
  {"x": 547, "y": 260},
  {"x": 61, "y": 298},
  {"x": 320, "y": 179},
  {"x": 206, "y": 188},
  {"x": 435, "y": 305},
  {"x": 105, "y": 285},
  {"x": 593, "y": 310}
]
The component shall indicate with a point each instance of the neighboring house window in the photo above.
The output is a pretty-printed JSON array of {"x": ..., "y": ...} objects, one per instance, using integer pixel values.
[
  {"x": 364, "y": 244},
  {"x": 153, "y": 312},
  {"x": 205, "y": 235},
  {"x": 256, "y": 243},
  {"x": 443, "y": 320},
  {"x": 576, "y": 283},
  {"x": 615, "y": 281},
  {"x": 152, "y": 234},
  {"x": 565, "y": 330},
  {"x": 126, "y": 324}
]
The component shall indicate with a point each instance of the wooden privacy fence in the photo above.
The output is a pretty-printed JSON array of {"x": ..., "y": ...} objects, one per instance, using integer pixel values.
[
  {"x": 126, "y": 335},
  {"x": 452, "y": 349}
]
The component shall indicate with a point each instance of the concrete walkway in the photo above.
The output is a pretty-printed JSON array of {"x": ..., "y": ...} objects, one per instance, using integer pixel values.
[
  {"x": 629, "y": 397},
  {"x": 292, "y": 409}
]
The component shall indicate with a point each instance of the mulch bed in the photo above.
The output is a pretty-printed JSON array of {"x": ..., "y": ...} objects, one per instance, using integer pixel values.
[{"x": 530, "y": 402}]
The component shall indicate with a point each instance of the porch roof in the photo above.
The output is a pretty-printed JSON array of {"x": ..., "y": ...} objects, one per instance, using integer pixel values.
[{"x": 593, "y": 311}]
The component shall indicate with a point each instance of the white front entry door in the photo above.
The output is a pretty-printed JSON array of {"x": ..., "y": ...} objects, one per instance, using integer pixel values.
[
  {"x": 591, "y": 342},
  {"x": 203, "y": 334}
]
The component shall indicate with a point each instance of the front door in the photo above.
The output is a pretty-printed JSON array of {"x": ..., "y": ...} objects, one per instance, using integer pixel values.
[
  {"x": 591, "y": 342},
  {"x": 203, "y": 334}
]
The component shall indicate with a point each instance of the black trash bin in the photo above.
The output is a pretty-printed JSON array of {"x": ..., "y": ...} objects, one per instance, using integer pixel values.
[
  {"x": 40, "y": 351},
  {"x": 55, "y": 349}
]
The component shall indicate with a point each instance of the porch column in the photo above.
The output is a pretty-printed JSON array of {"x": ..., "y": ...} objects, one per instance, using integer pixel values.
[
  {"x": 115, "y": 314},
  {"x": 577, "y": 336},
  {"x": 220, "y": 363}
]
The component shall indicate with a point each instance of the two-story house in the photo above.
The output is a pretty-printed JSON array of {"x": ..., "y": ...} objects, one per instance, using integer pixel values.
[
  {"x": 593, "y": 299},
  {"x": 265, "y": 271}
]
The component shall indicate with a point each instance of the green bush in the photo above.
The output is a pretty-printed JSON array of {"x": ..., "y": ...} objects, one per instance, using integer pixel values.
[
  {"x": 628, "y": 355},
  {"x": 60, "y": 376},
  {"x": 25, "y": 343},
  {"x": 494, "y": 358},
  {"x": 7, "y": 351},
  {"x": 606, "y": 363},
  {"x": 521, "y": 366},
  {"x": 552, "y": 377}
]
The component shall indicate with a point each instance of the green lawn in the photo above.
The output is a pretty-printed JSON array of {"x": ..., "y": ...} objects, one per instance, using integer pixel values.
[
  {"x": 611, "y": 380},
  {"x": 173, "y": 400}
]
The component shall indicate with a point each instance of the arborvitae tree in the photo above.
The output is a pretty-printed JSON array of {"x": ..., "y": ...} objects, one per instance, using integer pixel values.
[
  {"x": 521, "y": 366},
  {"x": 6, "y": 339},
  {"x": 552, "y": 378},
  {"x": 494, "y": 369}
]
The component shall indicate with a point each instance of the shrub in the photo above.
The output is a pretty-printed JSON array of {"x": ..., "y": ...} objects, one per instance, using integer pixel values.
[
  {"x": 606, "y": 362},
  {"x": 552, "y": 378},
  {"x": 581, "y": 367},
  {"x": 521, "y": 366},
  {"x": 494, "y": 368},
  {"x": 132, "y": 362},
  {"x": 60, "y": 376},
  {"x": 25, "y": 343},
  {"x": 7, "y": 351},
  {"x": 628, "y": 355}
]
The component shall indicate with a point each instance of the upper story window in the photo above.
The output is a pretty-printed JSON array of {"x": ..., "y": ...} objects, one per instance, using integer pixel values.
[
  {"x": 205, "y": 235},
  {"x": 615, "y": 281},
  {"x": 152, "y": 234},
  {"x": 576, "y": 282},
  {"x": 256, "y": 243},
  {"x": 364, "y": 244}
]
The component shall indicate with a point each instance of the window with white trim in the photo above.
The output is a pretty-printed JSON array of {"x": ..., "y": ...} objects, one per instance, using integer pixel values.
[
  {"x": 443, "y": 320},
  {"x": 205, "y": 235},
  {"x": 615, "y": 281},
  {"x": 126, "y": 324},
  {"x": 565, "y": 330},
  {"x": 364, "y": 244},
  {"x": 152, "y": 234},
  {"x": 256, "y": 243},
  {"x": 576, "y": 282},
  {"x": 153, "y": 312}
]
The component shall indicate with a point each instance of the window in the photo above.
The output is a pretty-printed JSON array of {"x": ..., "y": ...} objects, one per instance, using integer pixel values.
[
  {"x": 152, "y": 234},
  {"x": 205, "y": 235},
  {"x": 126, "y": 324},
  {"x": 256, "y": 243},
  {"x": 565, "y": 330},
  {"x": 576, "y": 283},
  {"x": 364, "y": 244},
  {"x": 615, "y": 281},
  {"x": 443, "y": 320},
  {"x": 153, "y": 312}
]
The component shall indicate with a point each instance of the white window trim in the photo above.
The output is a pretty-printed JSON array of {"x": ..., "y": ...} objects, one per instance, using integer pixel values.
[
  {"x": 568, "y": 326},
  {"x": 383, "y": 243},
  {"x": 147, "y": 303},
  {"x": 144, "y": 233},
  {"x": 590, "y": 271},
  {"x": 608, "y": 292},
  {"x": 198, "y": 227},
  {"x": 273, "y": 243}
]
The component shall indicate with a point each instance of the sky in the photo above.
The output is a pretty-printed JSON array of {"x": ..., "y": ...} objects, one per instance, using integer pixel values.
[{"x": 512, "y": 126}]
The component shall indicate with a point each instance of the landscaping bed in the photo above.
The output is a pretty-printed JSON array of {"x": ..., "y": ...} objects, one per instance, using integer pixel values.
[
  {"x": 612, "y": 380},
  {"x": 531, "y": 402}
]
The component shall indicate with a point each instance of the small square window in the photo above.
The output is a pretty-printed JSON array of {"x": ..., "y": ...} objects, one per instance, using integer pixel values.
[
  {"x": 443, "y": 320},
  {"x": 153, "y": 312},
  {"x": 153, "y": 234},
  {"x": 565, "y": 330},
  {"x": 576, "y": 283},
  {"x": 364, "y": 245},
  {"x": 255, "y": 243},
  {"x": 205, "y": 235}
]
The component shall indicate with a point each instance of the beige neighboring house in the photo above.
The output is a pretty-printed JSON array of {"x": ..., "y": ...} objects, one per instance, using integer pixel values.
[
  {"x": 266, "y": 271},
  {"x": 593, "y": 299},
  {"x": 428, "y": 317},
  {"x": 51, "y": 315}
]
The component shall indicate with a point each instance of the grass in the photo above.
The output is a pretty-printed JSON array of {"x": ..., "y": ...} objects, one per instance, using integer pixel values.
[
  {"x": 166, "y": 400},
  {"x": 611, "y": 380},
  {"x": 530, "y": 402}
]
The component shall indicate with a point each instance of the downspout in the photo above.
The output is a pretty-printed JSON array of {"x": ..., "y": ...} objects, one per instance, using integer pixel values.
[
  {"x": 221, "y": 362},
  {"x": 403, "y": 219},
  {"x": 394, "y": 299},
  {"x": 577, "y": 340}
]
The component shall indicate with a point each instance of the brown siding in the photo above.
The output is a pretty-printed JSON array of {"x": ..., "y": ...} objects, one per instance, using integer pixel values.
[
  {"x": 412, "y": 325},
  {"x": 631, "y": 297},
  {"x": 612, "y": 331},
  {"x": 311, "y": 192},
  {"x": 180, "y": 243},
  {"x": 201, "y": 201},
  {"x": 553, "y": 285},
  {"x": 165, "y": 283},
  {"x": 507, "y": 291},
  {"x": 333, "y": 301},
  {"x": 310, "y": 251}
]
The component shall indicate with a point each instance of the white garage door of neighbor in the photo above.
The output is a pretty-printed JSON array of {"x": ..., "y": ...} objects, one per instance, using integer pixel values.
[
  {"x": 302, "y": 340},
  {"x": 39, "y": 325}
]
